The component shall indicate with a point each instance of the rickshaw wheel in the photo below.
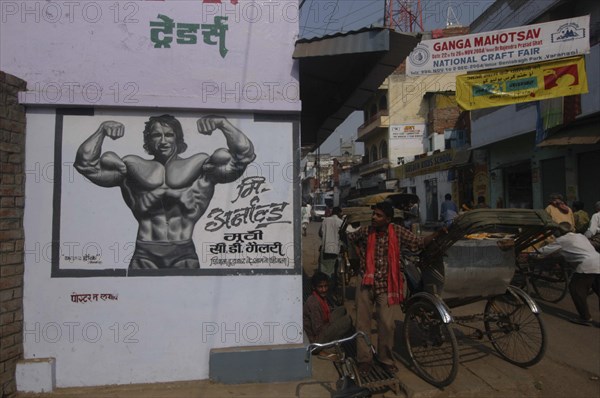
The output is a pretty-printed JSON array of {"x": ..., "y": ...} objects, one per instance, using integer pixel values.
[
  {"x": 516, "y": 332},
  {"x": 431, "y": 344},
  {"x": 550, "y": 283}
]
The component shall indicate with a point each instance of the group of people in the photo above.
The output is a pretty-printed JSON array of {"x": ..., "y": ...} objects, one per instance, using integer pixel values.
[
  {"x": 381, "y": 283},
  {"x": 380, "y": 287}
]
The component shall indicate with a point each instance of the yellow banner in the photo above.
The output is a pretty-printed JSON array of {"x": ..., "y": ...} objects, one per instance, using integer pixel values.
[{"x": 525, "y": 83}]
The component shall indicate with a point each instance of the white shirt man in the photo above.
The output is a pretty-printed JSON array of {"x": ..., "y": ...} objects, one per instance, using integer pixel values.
[
  {"x": 577, "y": 249},
  {"x": 330, "y": 243},
  {"x": 330, "y": 232}
]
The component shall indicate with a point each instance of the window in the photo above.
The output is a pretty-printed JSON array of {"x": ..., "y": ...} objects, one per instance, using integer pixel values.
[
  {"x": 383, "y": 150},
  {"x": 382, "y": 102},
  {"x": 373, "y": 153},
  {"x": 373, "y": 110},
  {"x": 454, "y": 138}
]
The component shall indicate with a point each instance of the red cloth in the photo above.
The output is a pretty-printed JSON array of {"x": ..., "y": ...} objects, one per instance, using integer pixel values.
[
  {"x": 324, "y": 307},
  {"x": 564, "y": 209},
  {"x": 394, "y": 282}
]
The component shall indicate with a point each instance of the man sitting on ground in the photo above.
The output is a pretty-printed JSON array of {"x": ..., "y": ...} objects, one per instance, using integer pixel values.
[{"x": 322, "y": 321}]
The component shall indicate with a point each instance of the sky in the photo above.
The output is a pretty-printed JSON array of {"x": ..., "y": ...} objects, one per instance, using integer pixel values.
[{"x": 323, "y": 17}]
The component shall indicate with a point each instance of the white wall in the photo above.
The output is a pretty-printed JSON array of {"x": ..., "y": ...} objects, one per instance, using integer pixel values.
[
  {"x": 160, "y": 328},
  {"x": 101, "y": 55}
]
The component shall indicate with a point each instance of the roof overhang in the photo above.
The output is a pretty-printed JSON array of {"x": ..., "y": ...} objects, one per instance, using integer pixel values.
[
  {"x": 340, "y": 73},
  {"x": 587, "y": 134}
]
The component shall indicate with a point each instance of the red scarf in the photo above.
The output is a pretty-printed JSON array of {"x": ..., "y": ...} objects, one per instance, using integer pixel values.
[
  {"x": 394, "y": 281},
  {"x": 324, "y": 307},
  {"x": 562, "y": 207}
]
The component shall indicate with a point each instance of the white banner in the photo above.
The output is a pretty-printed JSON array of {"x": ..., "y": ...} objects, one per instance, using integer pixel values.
[{"x": 501, "y": 48}]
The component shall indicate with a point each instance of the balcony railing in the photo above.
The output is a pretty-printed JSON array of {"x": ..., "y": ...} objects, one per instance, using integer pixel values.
[
  {"x": 371, "y": 181},
  {"x": 380, "y": 120},
  {"x": 378, "y": 165}
]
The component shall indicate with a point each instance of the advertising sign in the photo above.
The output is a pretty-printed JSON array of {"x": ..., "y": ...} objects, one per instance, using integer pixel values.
[
  {"x": 525, "y": 83},
  {"x": 501, "y": 48},
  {"x": 436, "y": 162},
  {"x": 406, "y": 140},
  {"x": 172, "y": 194}
]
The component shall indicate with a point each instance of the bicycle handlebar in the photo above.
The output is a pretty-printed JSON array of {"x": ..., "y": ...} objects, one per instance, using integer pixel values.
[{"x": 313, "y": 346}]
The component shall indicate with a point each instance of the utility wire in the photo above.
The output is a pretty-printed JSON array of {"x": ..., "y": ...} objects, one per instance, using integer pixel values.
[
  {"x": 323, "y": 30},
  {"x": 369, "y": 4},
  {"x": 334, "y": 8}
]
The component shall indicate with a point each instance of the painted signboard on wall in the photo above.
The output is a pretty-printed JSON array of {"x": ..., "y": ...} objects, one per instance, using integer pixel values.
[
  {"x": 172, "y": 194},
  {"x": 501, "y": 48},
  {"x": 406, "y": 140},
  {"x": 208, "y": 54}
]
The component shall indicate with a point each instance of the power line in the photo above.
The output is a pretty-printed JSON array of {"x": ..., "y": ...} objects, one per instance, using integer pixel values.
[
  {"x": 370, "y": 3},
  {"x": 322, "y": 30},
  {"x": 344, "y": 20},
  {"x": 335, "y": 8}
]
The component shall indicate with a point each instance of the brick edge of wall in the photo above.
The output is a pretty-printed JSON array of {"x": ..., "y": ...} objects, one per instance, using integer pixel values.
[{"x": 12, "y": 203}]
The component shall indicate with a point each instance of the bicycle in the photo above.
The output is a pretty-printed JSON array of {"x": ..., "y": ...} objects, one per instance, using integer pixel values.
[
  {"x": 348, "y": 384},
  {"x": 548, "y": 277}
]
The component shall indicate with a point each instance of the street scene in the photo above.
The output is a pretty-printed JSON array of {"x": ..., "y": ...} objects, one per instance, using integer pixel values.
[
  {"x": 569, "y": 367},
  {"x": 300, "y": 198}
]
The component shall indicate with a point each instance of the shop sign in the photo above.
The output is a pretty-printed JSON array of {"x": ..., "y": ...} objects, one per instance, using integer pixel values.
[{"x": 437, "y": 162}]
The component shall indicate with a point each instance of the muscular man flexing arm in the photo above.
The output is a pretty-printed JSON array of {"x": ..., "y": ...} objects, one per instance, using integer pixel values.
[{"x": 167, "y": 194}]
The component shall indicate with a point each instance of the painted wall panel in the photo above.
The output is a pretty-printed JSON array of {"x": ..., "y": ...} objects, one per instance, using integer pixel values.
[
  {"x": 242, "y": 224},
  {"x": 160, "y": 327}
]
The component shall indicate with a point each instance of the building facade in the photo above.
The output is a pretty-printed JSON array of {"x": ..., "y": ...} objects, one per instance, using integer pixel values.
[
  {"x": 526, "y": 163},
  {"x": 182, "y": 162},
  {"x": 415, "y": 137}
]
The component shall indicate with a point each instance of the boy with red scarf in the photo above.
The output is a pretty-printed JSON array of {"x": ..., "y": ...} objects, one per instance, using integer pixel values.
[
  {"x": 322, "y": 322},
  {"x": 382, "y": 282}
]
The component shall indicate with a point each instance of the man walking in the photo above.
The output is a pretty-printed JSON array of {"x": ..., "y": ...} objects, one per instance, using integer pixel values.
[
  {"x": 448, "y": 210},
  {"x": 330, "y": 242}
]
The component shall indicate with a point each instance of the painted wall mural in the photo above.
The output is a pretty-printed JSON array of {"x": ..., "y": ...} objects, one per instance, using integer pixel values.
[{"x": 166, "y": 194}]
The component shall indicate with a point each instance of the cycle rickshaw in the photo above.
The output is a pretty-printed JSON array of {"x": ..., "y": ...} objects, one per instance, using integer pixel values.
[{"x": 475, "y": 261}]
